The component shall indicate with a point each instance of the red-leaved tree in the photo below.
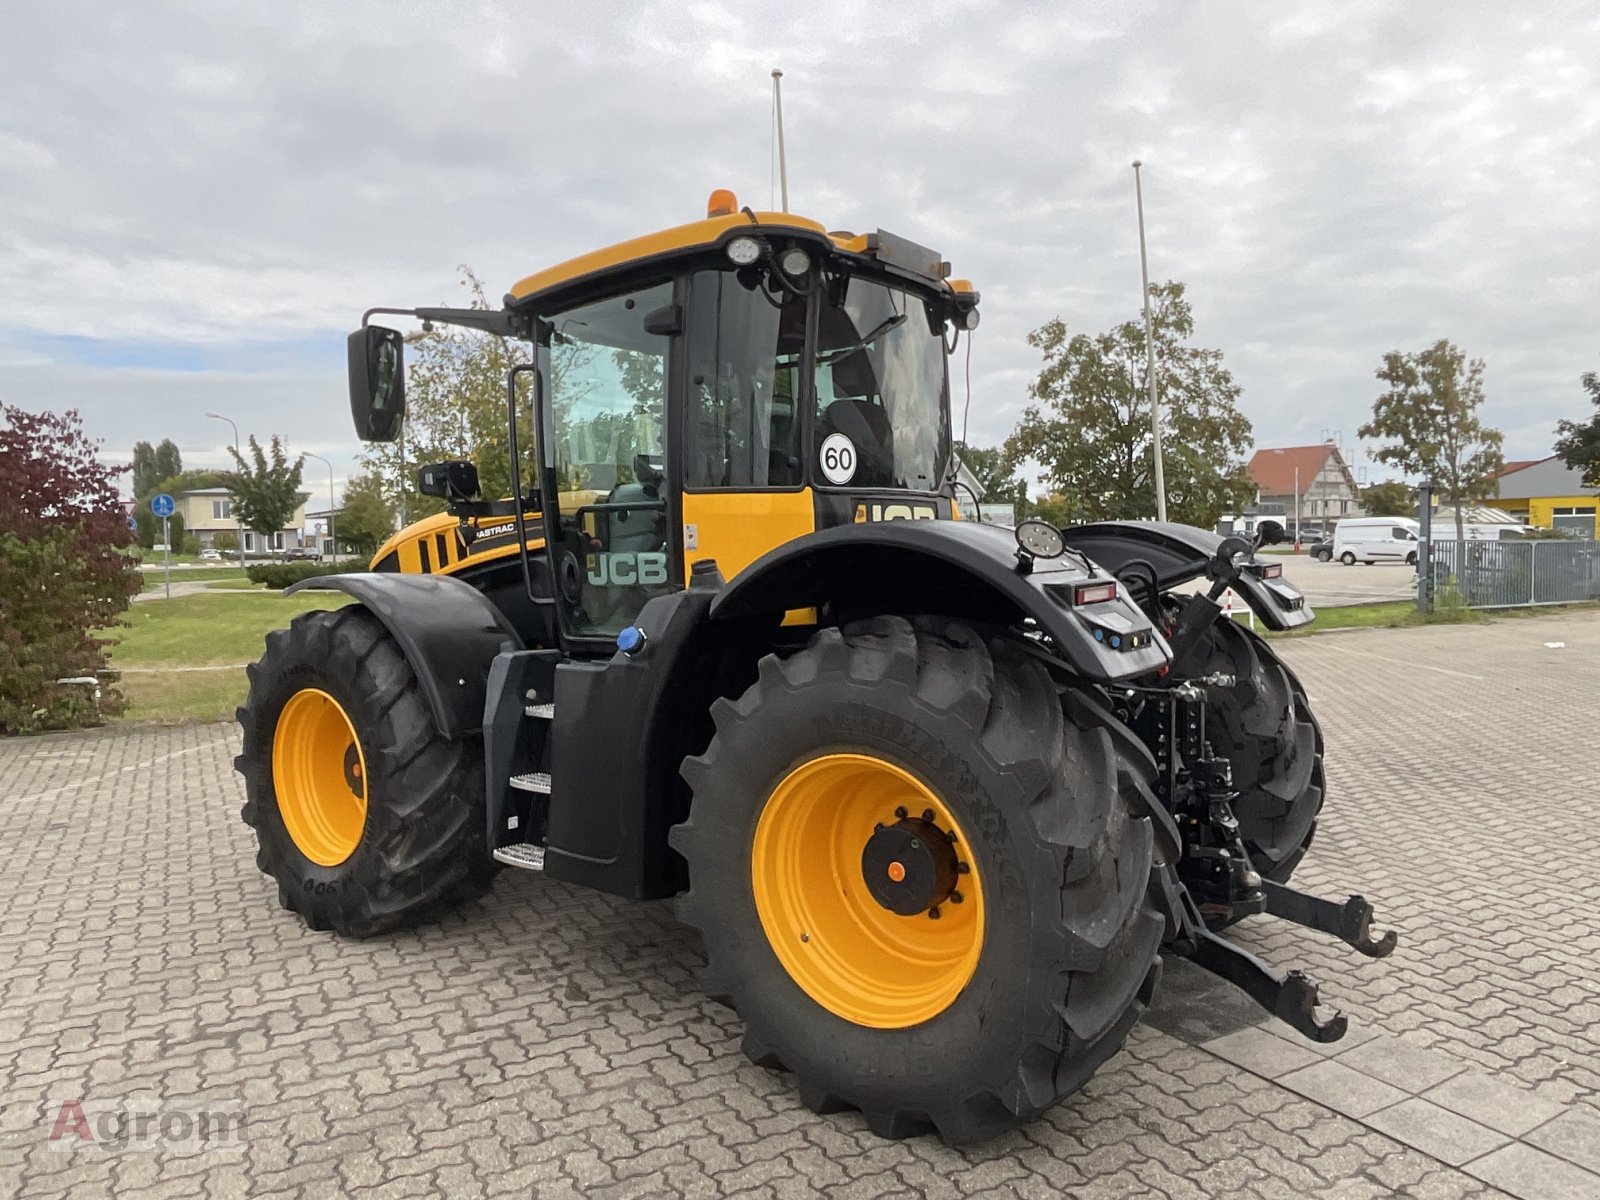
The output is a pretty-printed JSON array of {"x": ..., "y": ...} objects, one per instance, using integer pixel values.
[{"x": 64, "y": 573}]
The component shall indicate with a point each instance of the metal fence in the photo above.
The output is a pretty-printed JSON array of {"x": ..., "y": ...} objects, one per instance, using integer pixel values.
[{"x": 1515, "y": 574}]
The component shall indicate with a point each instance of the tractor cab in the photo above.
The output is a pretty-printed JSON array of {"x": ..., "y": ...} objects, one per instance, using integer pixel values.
[{"x": 709, "y": 392}]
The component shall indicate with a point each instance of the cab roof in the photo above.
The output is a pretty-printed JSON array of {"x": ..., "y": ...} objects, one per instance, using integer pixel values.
[{"x": 721, "y": 226}]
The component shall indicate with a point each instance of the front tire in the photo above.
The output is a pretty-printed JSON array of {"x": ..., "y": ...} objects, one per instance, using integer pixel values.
[
  {"x": 1264, "y": 727},
  {"x": 1348, "y": 559},
  {"x": 366, "y": 816},
  {"x": 969, "y": 1016}
]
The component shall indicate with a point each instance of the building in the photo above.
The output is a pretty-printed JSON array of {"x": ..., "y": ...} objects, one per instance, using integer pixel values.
[
  {"x": 1548, "y": 493},
  {"x": 1315, "y": 477},
  {"x": 209, "y": 511}
]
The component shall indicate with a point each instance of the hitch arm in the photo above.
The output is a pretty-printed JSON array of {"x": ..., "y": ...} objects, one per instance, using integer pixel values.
[
  {"x": 1350, "y": 922},
  {"x": 1288, "y": 995}
]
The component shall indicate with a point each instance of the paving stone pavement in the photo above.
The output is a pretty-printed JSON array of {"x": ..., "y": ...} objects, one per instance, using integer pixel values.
[{"x": 550, "y": 1041}]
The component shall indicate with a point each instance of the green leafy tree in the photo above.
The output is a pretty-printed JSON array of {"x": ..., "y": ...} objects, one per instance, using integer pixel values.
[
  {"x": 145, "y": 471},
  {"x": 1391, "y": 498},
  {"x": 366, "y": 519},
  {"x": 1088, "y": 426},
  {"x": 998, "y": 482},
  {"x": 1055, "y": 508},
  {"x": 168, "y": 462},
  {"x": 224, "y": 541},
  {"x": 266, "y": 490},
  {"x": 64, "y": 574},
  {"x": 1428, "y": 422},
  {"x": 456, "y": 407},
  {"x": 1577, "y": 443}
]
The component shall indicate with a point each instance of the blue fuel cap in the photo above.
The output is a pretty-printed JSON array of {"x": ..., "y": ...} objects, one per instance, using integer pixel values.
[{"x": 631, "y": 640}]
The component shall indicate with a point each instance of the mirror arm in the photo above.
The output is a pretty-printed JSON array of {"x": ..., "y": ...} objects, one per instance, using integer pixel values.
[{"x": 487, "y": 320}]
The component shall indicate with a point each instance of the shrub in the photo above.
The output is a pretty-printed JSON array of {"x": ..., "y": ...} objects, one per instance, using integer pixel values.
[
  {"x": 64, "y": 570},
  {"x": 281, "y": 575}
]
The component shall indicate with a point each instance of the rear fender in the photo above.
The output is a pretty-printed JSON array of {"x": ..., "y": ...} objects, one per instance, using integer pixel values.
[
  {"x": 1180, "y": 554},
  {"x": 952, "y": 568},
  {"x": 448, "y": 629}
]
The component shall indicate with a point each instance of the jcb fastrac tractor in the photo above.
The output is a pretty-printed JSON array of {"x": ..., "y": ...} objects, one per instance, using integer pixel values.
[{"x": 936, "y": 793}]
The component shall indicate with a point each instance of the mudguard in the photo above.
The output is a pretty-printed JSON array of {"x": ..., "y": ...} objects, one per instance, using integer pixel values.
[
  {"x": 448, "y": 629},
  {"x": 953, "y": 568},
  {"x": 1179, "y": 554}
]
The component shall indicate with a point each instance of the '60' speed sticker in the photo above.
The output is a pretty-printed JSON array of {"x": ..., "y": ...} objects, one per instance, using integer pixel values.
[{"x": 838, "y": 458}]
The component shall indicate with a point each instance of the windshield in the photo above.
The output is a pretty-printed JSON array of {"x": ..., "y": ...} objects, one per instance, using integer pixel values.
[{"x": 880, "y": 385}]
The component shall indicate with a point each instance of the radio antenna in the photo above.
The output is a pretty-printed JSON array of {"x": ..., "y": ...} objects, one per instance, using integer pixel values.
[{"x": 783, "y": 165}]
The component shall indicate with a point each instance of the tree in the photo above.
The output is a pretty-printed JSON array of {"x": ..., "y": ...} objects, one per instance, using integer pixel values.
[
  {"x": 1089, "y": 424},
  {"x": 366, "y": 518},
  {"x": 64, "y": 573},
  {"x": 168, "y": 461},
  {"x": 265, "y": 494},
  {"x": 1391, "y": 498},
  {"x": 145, "y": 471},
  {"x": 1429, "y": 421},
  {"x": 998, "y": 482},
  {"x": 1579, "y": 444}
]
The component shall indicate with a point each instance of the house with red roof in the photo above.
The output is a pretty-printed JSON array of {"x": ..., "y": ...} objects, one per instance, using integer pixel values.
[{"x": 1315, "y": 478}]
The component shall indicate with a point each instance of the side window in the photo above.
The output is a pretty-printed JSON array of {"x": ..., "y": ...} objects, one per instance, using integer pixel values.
[
  {"x": 1401, "y": 534},
  {"x": 607, "y": 386},
  {"x": 743, "y": 424}
]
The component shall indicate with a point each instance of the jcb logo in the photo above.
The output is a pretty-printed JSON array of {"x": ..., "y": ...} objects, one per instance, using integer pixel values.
[
  {"x": 623, "y": 570},
  {"x": 875, "y": 511}
]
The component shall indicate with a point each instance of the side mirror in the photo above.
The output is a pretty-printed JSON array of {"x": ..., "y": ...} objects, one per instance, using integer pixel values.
[
  {"x": 377, "y": 382},
  {"x": 1270, "y": 533},
  {"x": 451, "y": 482}
]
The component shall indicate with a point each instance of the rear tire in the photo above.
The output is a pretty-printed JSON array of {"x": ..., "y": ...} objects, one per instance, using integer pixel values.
[
  {"x": 1050, "y": 799},
  {"x": 420, "y": 843},
  {"x": 1348, "y": 559},
  {"x": 1264, "y": 727}
]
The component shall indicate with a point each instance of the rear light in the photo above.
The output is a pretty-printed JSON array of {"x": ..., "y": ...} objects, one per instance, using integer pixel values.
[
  {"x": 1271, "y": 570},
  {"x": 1093, "y": 593}
]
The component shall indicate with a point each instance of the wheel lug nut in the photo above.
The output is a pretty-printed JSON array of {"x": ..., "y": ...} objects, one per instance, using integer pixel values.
[
  {"x": 927, "y": 815},
  {"x": 962, "y": 869},
  {"x": 933, "y": 913},
  {"x": 901, "y": 812},
  {"x": 956, "y": 897}
]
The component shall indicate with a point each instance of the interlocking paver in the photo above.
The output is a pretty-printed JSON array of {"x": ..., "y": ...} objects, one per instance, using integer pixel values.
[
  {"x": 1437, "y": 1132},
  {"x": 553, "y": 1041},
  {"x": 1493, "y": 1102}
]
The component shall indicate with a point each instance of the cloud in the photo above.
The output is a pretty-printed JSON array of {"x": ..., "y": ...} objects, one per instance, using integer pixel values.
[{"x": 236, "y": 183}]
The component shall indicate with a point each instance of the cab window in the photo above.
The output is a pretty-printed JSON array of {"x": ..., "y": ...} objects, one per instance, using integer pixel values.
[
  {"x": 606, "y": 376},
  {"x": 880, "y": 389},
  {"x": 743, "y": 425}
]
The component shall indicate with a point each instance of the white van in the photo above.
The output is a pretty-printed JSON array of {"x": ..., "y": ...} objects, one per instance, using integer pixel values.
[{"x": 1376, "y": 539}]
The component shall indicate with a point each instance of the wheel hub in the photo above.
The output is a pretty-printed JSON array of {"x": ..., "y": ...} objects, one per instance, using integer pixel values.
[{"x": 910, "y": 867}]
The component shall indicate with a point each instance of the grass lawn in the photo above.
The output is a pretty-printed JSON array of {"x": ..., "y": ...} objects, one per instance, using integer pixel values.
[
  {"x": 156, "y": 579},
  {"x": 222, "y": 628}
]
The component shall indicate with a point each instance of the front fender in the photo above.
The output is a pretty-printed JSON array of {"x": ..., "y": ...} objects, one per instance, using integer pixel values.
[
  {"x": 952, "y": 568},
  {"x": 448, "y": 630},
  {"x": 1179, "y": 554}
]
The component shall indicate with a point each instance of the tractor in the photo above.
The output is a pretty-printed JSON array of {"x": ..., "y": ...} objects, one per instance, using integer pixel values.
[{"x": 938, "y": 795}]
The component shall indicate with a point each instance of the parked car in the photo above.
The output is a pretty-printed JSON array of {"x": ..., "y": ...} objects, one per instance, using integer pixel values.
[
  {"x": 1376, "y": 539},
  {"x": 300, "y": 554},
  {"x": 1321, "y": 549},
  {"x": 211, "y": 554}
]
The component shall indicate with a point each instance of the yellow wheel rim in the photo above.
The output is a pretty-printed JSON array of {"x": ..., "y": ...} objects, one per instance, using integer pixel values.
[
  {"x": 320, "y": 776},
  {"x": 838, "y": 835}
]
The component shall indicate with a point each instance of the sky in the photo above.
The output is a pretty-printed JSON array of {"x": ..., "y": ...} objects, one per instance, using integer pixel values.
[{"x": 198, "y": 201}]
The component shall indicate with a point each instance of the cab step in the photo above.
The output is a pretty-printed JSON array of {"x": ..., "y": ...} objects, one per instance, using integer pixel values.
[
  {"x": 533, "y": 781},
  {"x": 544, "y": 712},
  {"x": 522, "y": 855}
]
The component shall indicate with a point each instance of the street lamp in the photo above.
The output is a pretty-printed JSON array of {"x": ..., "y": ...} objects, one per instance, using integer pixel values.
[
  {"x": 333, "y": 540},
  {"x": 1150, "y": 353},
  {"x": 237, "y": 523}
]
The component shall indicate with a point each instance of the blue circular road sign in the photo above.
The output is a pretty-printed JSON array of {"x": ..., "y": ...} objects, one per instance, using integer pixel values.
[{"x": 163, "y": 505}]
